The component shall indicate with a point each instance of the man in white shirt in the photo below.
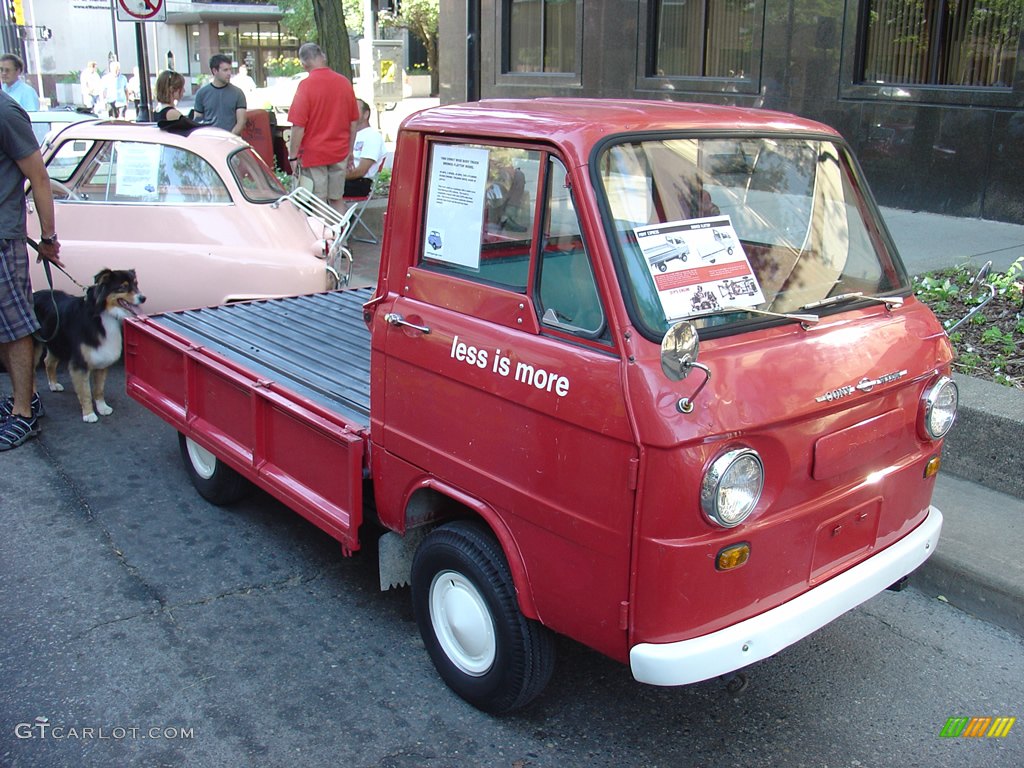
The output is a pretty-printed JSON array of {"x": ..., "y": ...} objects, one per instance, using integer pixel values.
[
  {"x": 367, "y": 155},
  {"x": 92, "y": 85},
  {"x": 244, "y": 81}
]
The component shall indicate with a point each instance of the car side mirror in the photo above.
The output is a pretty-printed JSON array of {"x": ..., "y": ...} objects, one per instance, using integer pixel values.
[
  {"x": 679, "y": 350},
  {"x": 679, "y": 357}
]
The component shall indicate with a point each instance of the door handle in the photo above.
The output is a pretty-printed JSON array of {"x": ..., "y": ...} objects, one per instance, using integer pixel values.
[{"x": 393, "y": 318}]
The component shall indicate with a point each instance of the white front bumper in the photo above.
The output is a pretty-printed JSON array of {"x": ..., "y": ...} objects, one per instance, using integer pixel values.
[{"x": 757, "y": 638}]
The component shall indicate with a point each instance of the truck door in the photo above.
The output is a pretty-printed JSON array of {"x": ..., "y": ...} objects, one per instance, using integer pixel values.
[{"x": 502, "y": 378}]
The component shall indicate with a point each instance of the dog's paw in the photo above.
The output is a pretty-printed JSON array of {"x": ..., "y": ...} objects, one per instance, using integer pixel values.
[
  {"x": 90, "y": 418},
  {"x": 56, "y": 386},
  {"x": 103, "y": 409}
]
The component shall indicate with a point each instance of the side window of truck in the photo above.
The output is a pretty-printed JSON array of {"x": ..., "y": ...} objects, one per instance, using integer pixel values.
[
  {"x": 519, "y": 201},
  {"x": 485, "y": 189},
  {"x": 568, "y": 298}
]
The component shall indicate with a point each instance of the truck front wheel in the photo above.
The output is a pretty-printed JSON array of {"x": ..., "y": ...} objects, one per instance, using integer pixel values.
[
  {"x": 465, "y": 605},
  {"x": 216, "y": 482}
]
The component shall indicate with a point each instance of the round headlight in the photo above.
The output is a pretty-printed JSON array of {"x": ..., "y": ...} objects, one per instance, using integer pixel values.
[
  {"x": 938, "y": 407},
  {"x": 732, "y": 486}
]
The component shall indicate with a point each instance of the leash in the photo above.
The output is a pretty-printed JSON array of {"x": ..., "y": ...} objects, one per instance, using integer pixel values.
[
  {"x": 49, "y": 274},
  {"x": 53, "y": 299}
]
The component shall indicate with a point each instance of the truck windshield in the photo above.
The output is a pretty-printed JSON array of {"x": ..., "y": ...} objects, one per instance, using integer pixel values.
[{"x": 709, "y": 224}]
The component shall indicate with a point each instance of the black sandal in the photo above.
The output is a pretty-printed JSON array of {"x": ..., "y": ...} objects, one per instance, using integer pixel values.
[{"x": 16, "y": 430}]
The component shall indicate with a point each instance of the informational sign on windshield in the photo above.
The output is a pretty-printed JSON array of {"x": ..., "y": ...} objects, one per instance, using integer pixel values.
[{"x": 698, "y": 266}]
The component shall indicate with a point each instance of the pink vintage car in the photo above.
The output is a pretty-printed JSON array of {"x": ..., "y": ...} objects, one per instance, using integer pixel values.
[{"x": 194, "y": 215}]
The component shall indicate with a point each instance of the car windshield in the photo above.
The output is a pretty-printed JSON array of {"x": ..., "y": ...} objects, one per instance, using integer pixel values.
[
  {"x": 255, "y": 180},
  {"x": 711, "y": 224}
]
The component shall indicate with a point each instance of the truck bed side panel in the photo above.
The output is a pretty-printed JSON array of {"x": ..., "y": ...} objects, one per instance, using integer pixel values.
[{"x": 278, "y": 412}]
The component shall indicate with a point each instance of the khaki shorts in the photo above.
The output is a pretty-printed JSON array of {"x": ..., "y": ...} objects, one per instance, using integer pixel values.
[{"x": 325, "y": 181}]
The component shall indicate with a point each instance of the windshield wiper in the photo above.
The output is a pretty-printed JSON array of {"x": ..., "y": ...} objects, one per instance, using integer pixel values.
[
  {"x": 889, "y": 301},
  {"x": 805, "y": 319}
]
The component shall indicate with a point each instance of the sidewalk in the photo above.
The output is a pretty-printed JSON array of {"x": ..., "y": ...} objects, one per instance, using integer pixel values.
[
  {"x": 928, "y": 241},
  {"x": 980, "y": 491}
]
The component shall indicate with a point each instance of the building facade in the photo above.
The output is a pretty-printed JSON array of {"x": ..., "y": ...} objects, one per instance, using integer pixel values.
[{"x": 930, "y": 93}]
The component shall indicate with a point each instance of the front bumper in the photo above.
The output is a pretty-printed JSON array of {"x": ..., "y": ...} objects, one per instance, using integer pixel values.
[{"x": 757, "y": 638}]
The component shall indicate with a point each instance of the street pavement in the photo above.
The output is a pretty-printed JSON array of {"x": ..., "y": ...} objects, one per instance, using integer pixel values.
[
  {"x": 977, "y": 567},
  {"x": 180, "y": 635},
  {"x": 141, "y": 626}
]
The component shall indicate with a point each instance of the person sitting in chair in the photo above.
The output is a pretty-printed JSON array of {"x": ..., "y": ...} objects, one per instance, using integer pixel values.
[{"x": 367, "y": 155}]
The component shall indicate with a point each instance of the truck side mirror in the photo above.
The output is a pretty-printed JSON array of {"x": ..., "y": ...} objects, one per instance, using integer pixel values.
[
  {"x": 679, "y": 350},
  {"x": 679, "y": 357}
]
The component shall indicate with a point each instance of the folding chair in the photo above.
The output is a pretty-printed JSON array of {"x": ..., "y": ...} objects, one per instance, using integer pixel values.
[
  {"x": 359, "y": 205},
  {"x": 337, "y": 228}
]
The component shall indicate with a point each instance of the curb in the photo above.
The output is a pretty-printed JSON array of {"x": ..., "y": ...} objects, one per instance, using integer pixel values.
[
  {"x": 976, "y": 567},
  {"x": 984, "y": 445},
  {"x": 980, "y": 492}
]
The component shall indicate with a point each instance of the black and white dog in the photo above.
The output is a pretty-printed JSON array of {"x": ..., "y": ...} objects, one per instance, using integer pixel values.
[{"x": 85, "y": 332}]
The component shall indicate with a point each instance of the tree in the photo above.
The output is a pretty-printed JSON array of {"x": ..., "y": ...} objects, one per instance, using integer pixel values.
[
  {"x": 298, "y": 18},
  {"x": 326, "y": 22},
  {"x": 421, "y": 18},
  {"x": 332, "y": 35}
]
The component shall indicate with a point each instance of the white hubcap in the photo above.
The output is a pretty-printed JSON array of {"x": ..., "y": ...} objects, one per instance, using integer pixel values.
[
  {"x": 203, "y": 462},
  {"x": 462, "y": 623}
]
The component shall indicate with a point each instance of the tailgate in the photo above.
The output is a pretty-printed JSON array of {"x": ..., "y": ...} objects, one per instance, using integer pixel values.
[{"x": 278, "y": 390}]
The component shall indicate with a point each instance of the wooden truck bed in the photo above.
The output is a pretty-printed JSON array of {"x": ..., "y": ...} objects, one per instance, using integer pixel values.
[{"x": 279, "y": 390}]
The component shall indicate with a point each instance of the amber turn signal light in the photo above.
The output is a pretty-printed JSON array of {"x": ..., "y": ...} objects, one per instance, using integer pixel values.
[
  {"x": 932, "y": 467},
  {"x": 733, "y": 556}
]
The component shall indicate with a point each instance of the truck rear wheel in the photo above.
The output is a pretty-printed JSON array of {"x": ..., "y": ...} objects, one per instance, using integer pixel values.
[
  {"x": 215, "y": 481},
  {"x": 465, "y": 605}
]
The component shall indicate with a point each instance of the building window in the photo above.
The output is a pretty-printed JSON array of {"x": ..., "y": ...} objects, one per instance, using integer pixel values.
[
  {"x": 541, "y": 36},
  {"x": 942, "y": 42},
  {"x": 705, "y": 38}
]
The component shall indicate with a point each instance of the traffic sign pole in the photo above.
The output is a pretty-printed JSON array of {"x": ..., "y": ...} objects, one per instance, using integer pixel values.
[
  {"x": 142, "y": 55},
  {"x": 140, "y": 12}
]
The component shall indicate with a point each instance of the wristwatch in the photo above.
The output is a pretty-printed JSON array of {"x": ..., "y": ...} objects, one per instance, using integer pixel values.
[{"x": 49, "y": 240}]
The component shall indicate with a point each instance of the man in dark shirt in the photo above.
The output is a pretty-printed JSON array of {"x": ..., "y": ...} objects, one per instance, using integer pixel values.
[
  {"x": 219, "y": 102},
  {"x": 20, "y": 160}
]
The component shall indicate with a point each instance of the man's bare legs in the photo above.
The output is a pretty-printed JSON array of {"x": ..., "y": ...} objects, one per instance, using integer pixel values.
[{"x": 18, "y": 356}]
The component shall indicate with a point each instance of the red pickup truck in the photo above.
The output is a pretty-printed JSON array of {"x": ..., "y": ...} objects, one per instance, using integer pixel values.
[{"x": 559, "y": 436}]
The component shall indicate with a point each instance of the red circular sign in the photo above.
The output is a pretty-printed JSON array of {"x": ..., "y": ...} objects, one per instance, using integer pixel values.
[{"x": 141, "y": 9}]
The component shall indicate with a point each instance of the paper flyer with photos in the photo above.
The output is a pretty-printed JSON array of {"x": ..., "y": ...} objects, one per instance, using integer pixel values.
[
  {"x": 137, "y": 169},
  {"x": 698, "y": 266},
  {"x": 455, "y": 204}
]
